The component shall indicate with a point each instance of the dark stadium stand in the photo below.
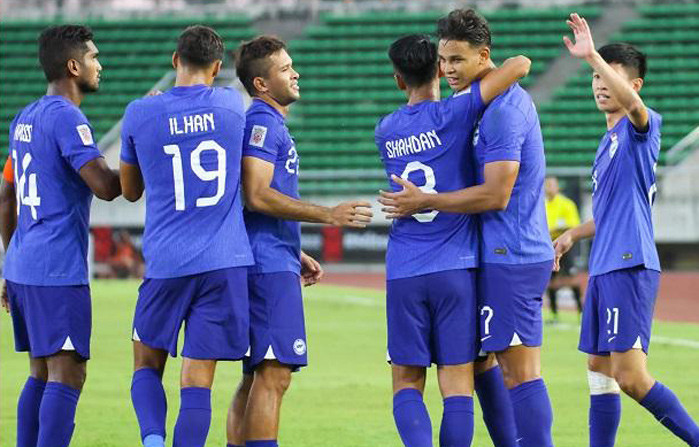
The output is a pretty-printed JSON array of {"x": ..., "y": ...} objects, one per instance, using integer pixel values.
[
  {"x": 135, "y": 54},
  {"x": 347, "y": 83},
  {"x": 667, "y": 34}
]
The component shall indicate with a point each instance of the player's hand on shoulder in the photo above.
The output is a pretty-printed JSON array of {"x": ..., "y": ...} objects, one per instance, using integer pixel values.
[
  {"x": 355, "y": 214},
  {"x": 5, "y": 299},
  {"x": 311, "y": 270},
  {"x": 561, "y": 246},
  {"x": 584, "y": 46},
  {"x": 403, "y": 203}
]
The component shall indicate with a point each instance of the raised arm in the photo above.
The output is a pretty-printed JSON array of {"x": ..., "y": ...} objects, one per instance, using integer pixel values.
[
  {"x": 261, "y": 197},
  {"x": 103, "y": 181},
  {"x": 620, "y": 88},
  {"x": 500, "y": 79}
]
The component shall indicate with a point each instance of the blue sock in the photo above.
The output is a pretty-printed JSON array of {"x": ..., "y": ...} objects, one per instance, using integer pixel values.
[
  {"x": 57, "y": 415},
  {"x": 457, "y": 422},
  {"x": 497, "y": 410},
  {"x": 604, "y": 418},
  {"x": 150, "y": 404},
  {"x": 533, "y": 414},
  {"x": 412, "y": 419},
  {"x": 194, "y": 419},
  {"x": 28, "y": 412},
  {"x": 233, "y": 445},
  {"x": 266, "y": 443},
  {"x": 666, "y": 408}
]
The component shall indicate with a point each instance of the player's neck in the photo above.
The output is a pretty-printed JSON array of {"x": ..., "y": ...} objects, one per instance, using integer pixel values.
[
  {"x": 490, "y": 66},
  {"x": 427, "y": 92},
  {"x": 188, "y": 79},
  {"x": 67, "y": 89},
  {"x": 613, "y": 118},
  {"x": 284, "y": 110}
]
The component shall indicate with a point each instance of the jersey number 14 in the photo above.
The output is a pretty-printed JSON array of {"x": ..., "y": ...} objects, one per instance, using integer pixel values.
[
  {"x": 32, "y": 199},
  {"x": 219, "y": 175}
]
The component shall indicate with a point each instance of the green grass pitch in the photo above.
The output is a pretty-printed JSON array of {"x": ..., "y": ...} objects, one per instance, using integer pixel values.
[{"x": 344, "y": 398}]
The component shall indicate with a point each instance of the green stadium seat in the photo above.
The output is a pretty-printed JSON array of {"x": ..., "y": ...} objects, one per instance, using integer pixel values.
[{"x": 135, "y": 54}]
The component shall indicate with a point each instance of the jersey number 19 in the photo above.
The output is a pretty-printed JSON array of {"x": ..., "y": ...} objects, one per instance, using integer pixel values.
[{"x": 219, "y": 175}]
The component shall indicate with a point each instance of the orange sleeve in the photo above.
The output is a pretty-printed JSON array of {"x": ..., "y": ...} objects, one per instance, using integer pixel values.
[{"x": 7, "y": 173}]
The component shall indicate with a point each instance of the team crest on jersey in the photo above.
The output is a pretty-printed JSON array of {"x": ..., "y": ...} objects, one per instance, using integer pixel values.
[
  {"x": 85, "y": 134},
  {"x": 258, "y": 135},
  {"x": 613, "y": 147},
  {"x": 299, "y": 347}
]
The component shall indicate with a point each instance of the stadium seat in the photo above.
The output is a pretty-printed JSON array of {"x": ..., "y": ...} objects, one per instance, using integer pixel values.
[
  {"x": 347, "y": 83},
  {"x": 667, "y": 33},
  {"x": 135, "y": 54}
]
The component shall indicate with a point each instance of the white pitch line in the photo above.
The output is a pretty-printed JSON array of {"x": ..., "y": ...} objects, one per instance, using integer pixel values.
[{"x": 377, "y": 302}]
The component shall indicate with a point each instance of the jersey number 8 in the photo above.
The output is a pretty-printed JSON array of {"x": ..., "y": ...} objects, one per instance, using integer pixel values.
[
  {"x": 195, "y": 162},
  {"x": 428, "y": 187}
]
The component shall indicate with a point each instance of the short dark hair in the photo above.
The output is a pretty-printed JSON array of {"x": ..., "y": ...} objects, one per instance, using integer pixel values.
[
  {"x": 59, "y": 44},
  {"x": 251, "y": 59},
  {"x": 465, "y": 25},
  {"x": 199, "y": 46},
  {"x": 626, "y": 55},
  {"x": 415, "y": 58}
]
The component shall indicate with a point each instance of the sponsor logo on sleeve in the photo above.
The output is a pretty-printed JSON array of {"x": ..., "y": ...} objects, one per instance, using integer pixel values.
[
  {"x": 85, "y": 134},
  {"x": 258, "y": 135}
]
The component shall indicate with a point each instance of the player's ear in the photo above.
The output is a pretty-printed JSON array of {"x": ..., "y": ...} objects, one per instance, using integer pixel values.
[
  {"x": 73, "y": 67},
  {"x": 217, "y": 68},
  {"x": 484, "y": 54},
  {"x": 259, "y": 84},
  {"x": 175, "y": 60},
  {"x": 400, "y": 82},
  {"x": 637, "y": 84}
]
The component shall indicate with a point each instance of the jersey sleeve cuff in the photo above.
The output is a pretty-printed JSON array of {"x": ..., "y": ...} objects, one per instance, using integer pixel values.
[
  {"x": 502, "y": 155},
  {"x": 261, "y": 155},
  {"x": 81, "y": 161},
  {"x": 128, "y": 159}
]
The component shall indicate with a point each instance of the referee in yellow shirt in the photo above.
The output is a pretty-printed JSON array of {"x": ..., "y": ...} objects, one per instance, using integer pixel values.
[{"x": 561, "y": 214}]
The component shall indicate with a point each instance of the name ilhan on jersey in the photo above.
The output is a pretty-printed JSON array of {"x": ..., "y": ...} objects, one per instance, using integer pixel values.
[
  {"x": 23, "y": 133},
  {"x": 192, "y": 123},
  {"x": 412, "y": 144}
]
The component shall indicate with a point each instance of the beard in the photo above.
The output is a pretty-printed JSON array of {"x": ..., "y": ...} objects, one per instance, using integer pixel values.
[{"x": 87, "y": 86}]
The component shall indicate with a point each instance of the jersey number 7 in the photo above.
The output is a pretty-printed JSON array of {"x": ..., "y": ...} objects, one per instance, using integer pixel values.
[{"x": 195, "y": 162}]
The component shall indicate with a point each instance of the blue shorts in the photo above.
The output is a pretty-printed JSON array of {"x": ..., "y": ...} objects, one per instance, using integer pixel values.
[
  {"x": 49, "y": 319},
  {"x": 277, "y": 328},
  {"x": 509, "y": 304},
  {"x": 213, "y": 305},
  {"x": 432, "y": 318},
  {"x": 618, "y": 311}
]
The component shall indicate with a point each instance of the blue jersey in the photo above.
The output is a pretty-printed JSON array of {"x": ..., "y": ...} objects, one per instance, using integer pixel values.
[
  {"x": 510, "y": 131},
  {"x": 276, "y": 243},
  {"x": 50, "y": 140},
  {"x": 429, "y": 144},
  {"x": 187, "y": 143},
  {"x": 623, "y": 182}
]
